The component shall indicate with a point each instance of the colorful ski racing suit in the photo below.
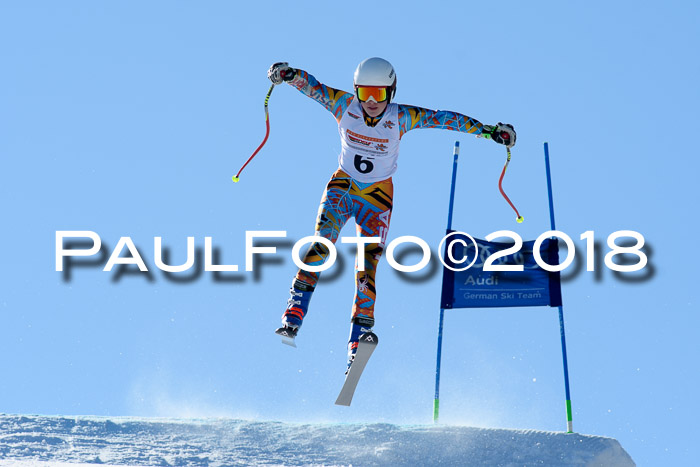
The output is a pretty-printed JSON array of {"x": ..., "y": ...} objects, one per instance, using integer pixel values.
[{"x": 362, "y": 185}]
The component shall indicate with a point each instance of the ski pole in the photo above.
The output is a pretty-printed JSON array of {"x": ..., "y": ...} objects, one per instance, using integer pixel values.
[
  {"x": 236, "y": 177},
  {"x": 500, "y": 187}
]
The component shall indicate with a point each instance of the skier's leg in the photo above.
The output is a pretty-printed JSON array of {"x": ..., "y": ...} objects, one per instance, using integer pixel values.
[
  {"x": 372, "y": 209},
  {"x": 333, "y": 213}
]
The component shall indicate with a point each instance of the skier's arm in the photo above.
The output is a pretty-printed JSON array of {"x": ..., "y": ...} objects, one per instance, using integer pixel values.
[
  {"x": 411, "y": 117},
  {"x": 334, "y": 100}
]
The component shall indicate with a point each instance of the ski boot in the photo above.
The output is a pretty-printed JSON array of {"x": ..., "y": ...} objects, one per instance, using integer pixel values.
[
  {"x": 297, "y": 306},
  {"x": 360, "y": 325}
]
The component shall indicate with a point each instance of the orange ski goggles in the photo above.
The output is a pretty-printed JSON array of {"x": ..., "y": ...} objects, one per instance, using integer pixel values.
[{"x": 376, "y": 93}]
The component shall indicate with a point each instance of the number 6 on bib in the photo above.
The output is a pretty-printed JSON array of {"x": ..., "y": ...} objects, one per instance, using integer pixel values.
[{"x": 364, "y": 166}]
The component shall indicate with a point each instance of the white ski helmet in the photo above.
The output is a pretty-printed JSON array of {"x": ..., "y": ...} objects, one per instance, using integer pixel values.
[{"x": 376, "y": 71}]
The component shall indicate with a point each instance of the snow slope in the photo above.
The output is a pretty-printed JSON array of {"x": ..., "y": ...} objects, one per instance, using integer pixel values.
[{"x": 36, "y": 440}]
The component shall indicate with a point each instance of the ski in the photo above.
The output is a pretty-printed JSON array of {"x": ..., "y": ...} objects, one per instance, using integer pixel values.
[
  {"x": 366, "y": 345},
  {"x": 287, "y": 335}
]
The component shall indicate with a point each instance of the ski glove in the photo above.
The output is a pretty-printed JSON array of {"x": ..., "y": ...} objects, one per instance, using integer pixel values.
[
  {"x": 280, "y": 72},
  {"x": 503, "y": 133}
]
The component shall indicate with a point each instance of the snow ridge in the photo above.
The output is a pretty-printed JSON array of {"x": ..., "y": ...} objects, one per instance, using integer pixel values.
[{"x": 32, "y": 440}]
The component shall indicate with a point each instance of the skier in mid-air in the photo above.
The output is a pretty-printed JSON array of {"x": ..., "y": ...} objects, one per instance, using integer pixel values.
[{"x": 370, "y": 127}]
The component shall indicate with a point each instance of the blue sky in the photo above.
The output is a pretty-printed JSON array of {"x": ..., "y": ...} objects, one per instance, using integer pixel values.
[{"x": 129, "y": 119}]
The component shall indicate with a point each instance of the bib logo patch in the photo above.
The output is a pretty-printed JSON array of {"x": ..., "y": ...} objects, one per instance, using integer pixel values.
[{"x": 354, "y": 138}]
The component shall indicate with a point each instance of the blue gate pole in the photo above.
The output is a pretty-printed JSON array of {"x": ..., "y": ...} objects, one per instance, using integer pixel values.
[
  {"x": 436, "y": 402},
  {"x": 569, "y": 418}
]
